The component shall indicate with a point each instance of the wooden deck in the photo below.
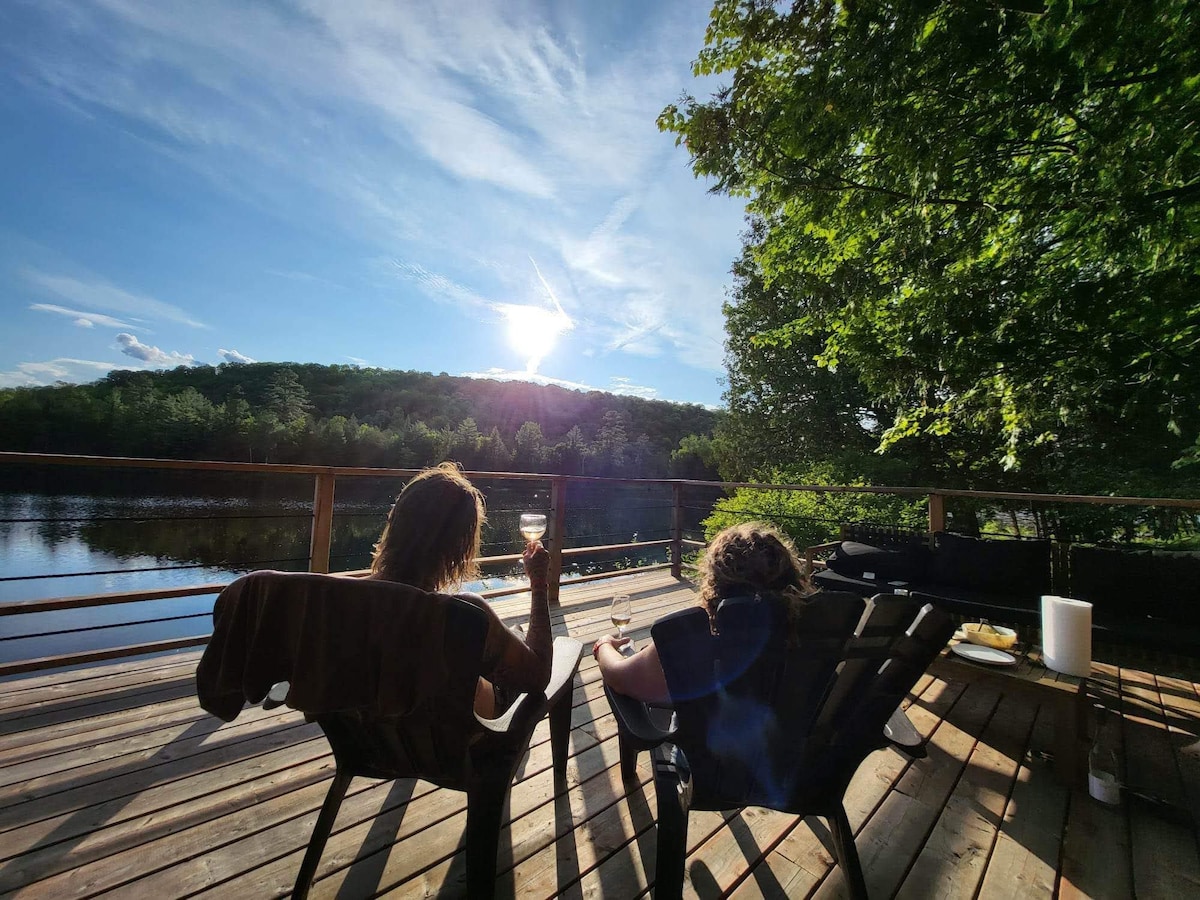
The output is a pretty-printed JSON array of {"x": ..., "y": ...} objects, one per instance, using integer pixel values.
[{"x": 114, "y": 782}]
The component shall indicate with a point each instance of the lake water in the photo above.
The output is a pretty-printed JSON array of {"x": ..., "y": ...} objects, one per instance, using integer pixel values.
[{"x": 143, "y": 531}]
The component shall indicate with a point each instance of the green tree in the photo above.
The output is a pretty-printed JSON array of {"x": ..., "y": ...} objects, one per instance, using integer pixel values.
[
  {"x": 612, "y": 443},
  {"x": 495, "y": 456},
  {"x": 568, "y": 454},
  {"x": 286, "y": 397},
  {"x": 984, "y": 218},
  {"x": 530, "y": 450},
  {"x": 695, "y": 458},
  {"x": 810, "y": 518},
  {"x": 466, "y": 444}
]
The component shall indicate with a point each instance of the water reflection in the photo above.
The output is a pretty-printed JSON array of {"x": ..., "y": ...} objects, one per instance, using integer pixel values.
[{"x": 123, "y": 537}]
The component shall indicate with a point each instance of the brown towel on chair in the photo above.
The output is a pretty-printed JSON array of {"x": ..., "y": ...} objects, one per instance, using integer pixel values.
[{"x": 342, "y": 643}]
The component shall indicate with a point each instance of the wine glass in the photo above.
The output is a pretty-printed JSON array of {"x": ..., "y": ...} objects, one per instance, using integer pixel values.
[
  {"x": 533, "y": 526},
  {"x": 621, "y": 613}
]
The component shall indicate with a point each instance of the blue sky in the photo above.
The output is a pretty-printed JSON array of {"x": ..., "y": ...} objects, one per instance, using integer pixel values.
[{"x": 450, "y": 187}]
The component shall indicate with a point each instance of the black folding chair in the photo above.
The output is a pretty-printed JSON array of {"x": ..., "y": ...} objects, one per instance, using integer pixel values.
[
  {"x": 440, "y": 740},
  {"x": 776, "y": 714}
]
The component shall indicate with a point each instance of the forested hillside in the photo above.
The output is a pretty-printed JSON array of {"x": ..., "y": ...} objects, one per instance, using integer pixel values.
[{"x": 345, "y": 415}]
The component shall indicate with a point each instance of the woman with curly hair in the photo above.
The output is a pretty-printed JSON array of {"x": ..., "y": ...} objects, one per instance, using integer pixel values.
[
  {"x": 431, "y": 541},
  {"x": 742, "y": 560}
]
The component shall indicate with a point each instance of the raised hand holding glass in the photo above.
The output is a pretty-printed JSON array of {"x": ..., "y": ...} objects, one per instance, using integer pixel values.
[
  {"x": 622, "y": 612},
  {"x": 533, "y": 526}
]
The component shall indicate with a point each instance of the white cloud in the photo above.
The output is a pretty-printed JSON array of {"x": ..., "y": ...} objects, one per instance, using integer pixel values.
[
  {"x": 358, "y": 361},
  {"x": 440, "y": 287},
  {"x": 234, "y": 357},
  {"x": 461, "y": 139},
  {"x": 620, "y": 385},
  {"x": 152, "y": 356},
  {"x": 30, "y": 374},
  {"x": 102, "y": 295},
  {"x": 85, "y": 319},
  {"x": 617, "y": 385}
]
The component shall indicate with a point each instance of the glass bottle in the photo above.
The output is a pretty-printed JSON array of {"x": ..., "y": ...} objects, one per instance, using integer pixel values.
[{"x": 1103, "y": 774}]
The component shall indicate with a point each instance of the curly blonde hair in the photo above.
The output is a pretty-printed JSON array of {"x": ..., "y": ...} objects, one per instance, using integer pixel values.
[
  {"x": 752, "y": 558},
  {"x": 433, "y": 531}
]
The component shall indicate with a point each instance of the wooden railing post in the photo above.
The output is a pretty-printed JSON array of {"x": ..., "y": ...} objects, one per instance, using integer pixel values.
[
  {"x": 676, "y": 530},
  {"x": 322, "y": 523},
  {"x": 937, "y": 512},
  {"x": 557, "y": 533}
]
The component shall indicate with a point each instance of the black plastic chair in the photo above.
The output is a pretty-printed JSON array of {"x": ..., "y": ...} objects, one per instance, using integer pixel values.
[
  {"x": 439, "y": 739},
  {"x": 761, "y": 720}
]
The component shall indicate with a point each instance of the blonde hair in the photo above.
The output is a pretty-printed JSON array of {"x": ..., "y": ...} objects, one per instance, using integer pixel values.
[
  {"x": 752, "y": 558},
  {"x": 433, "y": 531}
]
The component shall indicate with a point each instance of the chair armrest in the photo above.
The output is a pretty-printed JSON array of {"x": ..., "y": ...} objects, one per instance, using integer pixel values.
[
  {"x": 901, "y": 734},
  {"x": 634, "y": 722},
  {"x": 810, "y": 553},
  {"x": 567, "y": 653}
]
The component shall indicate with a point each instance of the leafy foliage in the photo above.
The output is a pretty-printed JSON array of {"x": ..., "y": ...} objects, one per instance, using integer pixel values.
[
  {"x": 975, "y": 235},
  {"x": 812, "y": 518}
]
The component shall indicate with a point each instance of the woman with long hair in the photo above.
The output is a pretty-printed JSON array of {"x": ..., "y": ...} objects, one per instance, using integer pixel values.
[
  {"x": 431, "y": 542},
  {"x": 742, "y": 560}
]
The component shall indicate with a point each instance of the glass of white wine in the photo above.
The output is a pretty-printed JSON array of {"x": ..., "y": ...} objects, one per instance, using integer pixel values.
[
  {"x": 533, "y": 526},
  {"x": 621, "y": 613}
]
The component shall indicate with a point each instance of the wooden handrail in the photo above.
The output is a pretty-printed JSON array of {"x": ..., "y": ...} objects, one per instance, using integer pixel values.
[
  {"x": 51, "y": 604},
  {"x": 22, "y": 666},
  {"x": 676, "y": 528},
  {"x": 324, "y": 483},
  {"x": 80, "y": 601},
  {"x": 556, "y": 528},
  {"x": 937, "y": 512},
  {"x": 322, "y": 523},
  {"x": 61, "y": 459},
  {"x": 602, "y": 548}
]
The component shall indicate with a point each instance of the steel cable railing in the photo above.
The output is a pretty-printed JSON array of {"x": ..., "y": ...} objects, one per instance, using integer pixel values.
[{"x": 576, "y": 537}]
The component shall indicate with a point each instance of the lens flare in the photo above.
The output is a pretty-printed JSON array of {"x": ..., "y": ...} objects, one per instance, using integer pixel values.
[{"x": 534, "y": 331}]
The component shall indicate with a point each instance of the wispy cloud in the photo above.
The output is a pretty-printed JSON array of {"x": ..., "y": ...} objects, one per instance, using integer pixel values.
[
  {"x": 460, "y": 140},
  {"x": 102, "y": 295},
  {"x": 358, "y": 361},
  {"x": 620, "y": 385},
  {"x": 308, "y": 277},
  {"x": 440, "y": 287},
  {"x": 31, "y": 374},
  {"x": 616, "y": 385},
  {"x": 152, "y": 356},
  {"x": 234, "y": 357},
  {"x": 85, "y": 319}
]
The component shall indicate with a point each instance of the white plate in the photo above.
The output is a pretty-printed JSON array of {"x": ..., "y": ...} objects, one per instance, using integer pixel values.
[{"x": 989, "y": 655}]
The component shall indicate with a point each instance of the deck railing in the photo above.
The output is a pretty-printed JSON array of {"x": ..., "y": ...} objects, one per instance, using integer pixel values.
[{"x": 684, "y": 521}]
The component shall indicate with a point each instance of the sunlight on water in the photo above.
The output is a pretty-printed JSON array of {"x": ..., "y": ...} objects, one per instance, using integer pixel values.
[{"x": 72, "y": 544}]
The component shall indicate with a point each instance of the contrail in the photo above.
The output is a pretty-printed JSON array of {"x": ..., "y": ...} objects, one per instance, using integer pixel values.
[{"x": 549, "y": 291}]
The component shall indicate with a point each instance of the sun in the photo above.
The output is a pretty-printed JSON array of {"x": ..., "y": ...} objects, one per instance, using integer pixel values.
[{"x": 533, "y": 331}]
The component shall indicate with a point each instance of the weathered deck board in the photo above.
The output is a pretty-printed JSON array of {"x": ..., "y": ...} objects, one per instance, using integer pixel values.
[
  {"x": 113, "y": 782},
  {"x": 1165, "y": 861}
]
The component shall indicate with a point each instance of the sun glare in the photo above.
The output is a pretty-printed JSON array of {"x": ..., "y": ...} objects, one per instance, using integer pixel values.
[{"x": 533, "y": 332}]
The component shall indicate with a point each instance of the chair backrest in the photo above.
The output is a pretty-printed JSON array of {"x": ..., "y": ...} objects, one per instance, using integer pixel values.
[
  {"x": 388, "y": 671},
  {"x": 778, "y": 714},
  {"x": 434, "y": 739},
  {"x": 881, "y": 535}
]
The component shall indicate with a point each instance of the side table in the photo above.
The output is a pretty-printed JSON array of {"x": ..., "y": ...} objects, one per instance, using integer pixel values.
[{"x": 1066, "y": 695}]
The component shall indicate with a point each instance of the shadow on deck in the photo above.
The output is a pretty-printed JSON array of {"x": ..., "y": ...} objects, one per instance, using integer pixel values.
[{"x": 113, "y": 779}]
